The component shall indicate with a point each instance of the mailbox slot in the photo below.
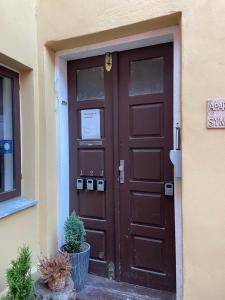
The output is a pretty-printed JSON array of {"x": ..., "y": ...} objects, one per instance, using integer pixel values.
[
  {"x": 90, "y": 184},
  {"x": 80, "y": 183},
  {"x": 101, "y": 185}
]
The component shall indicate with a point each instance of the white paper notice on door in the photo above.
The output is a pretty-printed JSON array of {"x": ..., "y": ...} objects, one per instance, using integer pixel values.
[{"x": 90, "y": 124}]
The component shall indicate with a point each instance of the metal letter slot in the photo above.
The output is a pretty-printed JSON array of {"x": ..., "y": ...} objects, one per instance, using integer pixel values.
[
  {"x": 80, "y": 183},
  {"x": 122, "y": 171},
  {"x": 101, "y": 185},
  {"x": 169, "y": 189},
  {"x": 90, "y": 184}
]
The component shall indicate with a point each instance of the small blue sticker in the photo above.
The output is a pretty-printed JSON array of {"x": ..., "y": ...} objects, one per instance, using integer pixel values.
[{"x": 7, "y": 146}]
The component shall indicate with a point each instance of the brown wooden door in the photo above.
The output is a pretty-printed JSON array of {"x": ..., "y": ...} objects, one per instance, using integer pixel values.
[
  {"x": 145, "y": 138},
  {"x": 90, "y": 88},
  {"x": 130, "y": 225}
]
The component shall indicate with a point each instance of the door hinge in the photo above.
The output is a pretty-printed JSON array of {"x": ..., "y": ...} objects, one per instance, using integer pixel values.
[
  {"x": 111, "y": 270},
  {"x": 108, "y": 61}
]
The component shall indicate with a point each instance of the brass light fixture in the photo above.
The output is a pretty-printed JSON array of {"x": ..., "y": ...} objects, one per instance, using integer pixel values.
[{"x": 108, "y": 61}]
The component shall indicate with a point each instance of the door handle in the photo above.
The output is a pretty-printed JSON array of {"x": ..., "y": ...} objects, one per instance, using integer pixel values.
[{"x": 121, "y": 171}]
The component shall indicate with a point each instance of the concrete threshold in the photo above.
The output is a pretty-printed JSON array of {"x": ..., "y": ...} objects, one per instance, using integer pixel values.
[{"x": 100, "y": 288}]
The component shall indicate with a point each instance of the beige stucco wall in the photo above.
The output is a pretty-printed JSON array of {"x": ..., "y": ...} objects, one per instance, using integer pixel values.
[
  {"x": 16, "y": 230},
  {"x": 18, "y": 50},
  {"x": 29, "y": 47},
  {"x": 66, "y": 24},
  {"x": 18, "y": 30}
]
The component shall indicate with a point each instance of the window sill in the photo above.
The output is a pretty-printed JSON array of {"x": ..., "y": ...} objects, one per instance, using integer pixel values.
[{"x": 15, "y": 205}]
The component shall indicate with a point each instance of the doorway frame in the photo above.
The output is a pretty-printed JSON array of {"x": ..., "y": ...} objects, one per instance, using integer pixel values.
[{"x": 62, "y": 141}]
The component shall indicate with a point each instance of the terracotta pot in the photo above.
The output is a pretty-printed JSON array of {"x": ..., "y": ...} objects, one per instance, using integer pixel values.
[{"x": 58, "y": 285}]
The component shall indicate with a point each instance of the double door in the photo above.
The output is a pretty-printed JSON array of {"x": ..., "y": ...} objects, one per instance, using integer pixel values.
[{"x": 120, "y": 134}]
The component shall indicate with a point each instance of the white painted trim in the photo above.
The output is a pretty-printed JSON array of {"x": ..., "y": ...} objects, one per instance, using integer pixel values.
[
  {"x": 131, "y": 42},
  {"x": 62, "y": 146},
  {"x": 177, "y": 181}
]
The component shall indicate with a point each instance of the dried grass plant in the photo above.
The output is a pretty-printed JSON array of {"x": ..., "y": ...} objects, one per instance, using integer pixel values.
[{"x": 54, "y": 271}]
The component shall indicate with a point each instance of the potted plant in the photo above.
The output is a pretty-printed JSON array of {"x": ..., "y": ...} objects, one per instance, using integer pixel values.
[
  {"x": 78, "y": 249},
  {"x": 54, "y": 271}
]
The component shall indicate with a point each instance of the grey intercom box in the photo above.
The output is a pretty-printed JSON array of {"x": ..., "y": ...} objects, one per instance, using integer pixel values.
[
  {"x": 90, "y": 184},
  {"x": 169, "y": 189},
  {"x": 101, "y": 185},
  {"x": 80, "y": 183}
]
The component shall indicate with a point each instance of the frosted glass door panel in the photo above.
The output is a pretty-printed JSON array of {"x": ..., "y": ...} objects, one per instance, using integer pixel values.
[
  {"x": 90, "y": 84},
  {"x": 146, "y": 77}
]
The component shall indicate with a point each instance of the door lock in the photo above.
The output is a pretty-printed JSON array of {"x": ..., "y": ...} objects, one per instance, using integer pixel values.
[{"x": 169, "y": 189}]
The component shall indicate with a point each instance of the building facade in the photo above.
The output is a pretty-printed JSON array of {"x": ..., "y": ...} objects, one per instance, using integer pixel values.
[{"x": 90, "y": 104}]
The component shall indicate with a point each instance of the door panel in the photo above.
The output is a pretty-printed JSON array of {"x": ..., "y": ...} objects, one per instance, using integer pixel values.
[
  {"x": 145, "y": 138},
  {"x": 90, "y": 87}
]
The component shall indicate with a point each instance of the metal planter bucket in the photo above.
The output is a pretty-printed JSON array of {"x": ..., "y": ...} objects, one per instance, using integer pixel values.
[{"x": 80, "y": 262}]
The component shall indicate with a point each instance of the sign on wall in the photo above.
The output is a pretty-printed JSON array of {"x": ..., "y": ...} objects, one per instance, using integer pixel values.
[
  {"x": 90, "y": 124},
  {"x": 6, "y": 146},
  {"x": 216, "y": 113}
]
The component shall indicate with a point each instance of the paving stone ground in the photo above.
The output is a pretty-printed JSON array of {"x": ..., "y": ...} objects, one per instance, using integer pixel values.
[{"x": 99, "y": 288}]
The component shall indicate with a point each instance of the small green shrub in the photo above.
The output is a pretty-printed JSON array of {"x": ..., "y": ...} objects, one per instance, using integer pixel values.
[
  {"x": 5, "y": 298},
  {"x": 74, "y": 233},
  {"x": 18, "y": 275}
]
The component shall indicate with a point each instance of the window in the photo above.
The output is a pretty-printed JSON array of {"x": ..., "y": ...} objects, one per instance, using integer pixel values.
[
  {"x": 146, "y": 76},
  {"x": 10, "y": 166},
  {"x": 90, "y": 84}
]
